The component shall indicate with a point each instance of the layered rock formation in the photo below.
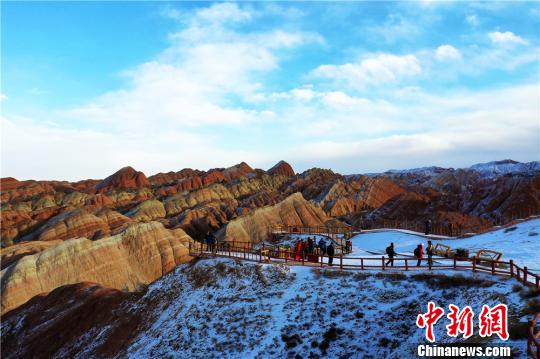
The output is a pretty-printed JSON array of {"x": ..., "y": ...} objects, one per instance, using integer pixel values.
[
  {"x": 12, "y": 253},
  {"x": 147, "y": 211},
  {"x": 124, "y": 178},
  {"x": 281, "y": 168},
  {"x": 137, "y": 256},
  {"x": 185, "y": 200},
  {"x": 71, "y": 224},
  {"x": 293, "y": 211}
]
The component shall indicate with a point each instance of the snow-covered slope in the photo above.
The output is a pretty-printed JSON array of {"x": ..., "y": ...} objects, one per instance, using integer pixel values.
[
  {"x": 487, "y": 170},
  {"x": 497, "y": 168},
  {"x": 230, "y": 309},
  {"x": 423, "y": 171},
  {"x": 520, "y": 243}
]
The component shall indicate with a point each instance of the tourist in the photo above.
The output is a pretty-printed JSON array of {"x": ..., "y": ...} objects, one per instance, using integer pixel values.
[
  {"x": 208, "y": 240},
  {"x": 349, "y": 246},
  {"x": 419, "y": 254},
  {"x": 298, "y": 252},
  {"x": 322, "y": 246},
  {"x": 304, "y": 249},
  {"x": 429, "y": 251},
  {"x": 330, "y": 252},
  {"x": 310, "y": 245},
  {"x": 391, "y": 253},
  {"x": 428, "y": 227}
]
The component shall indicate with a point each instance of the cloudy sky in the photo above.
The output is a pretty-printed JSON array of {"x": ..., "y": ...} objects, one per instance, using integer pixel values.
[{"x": 89, "y": 87}]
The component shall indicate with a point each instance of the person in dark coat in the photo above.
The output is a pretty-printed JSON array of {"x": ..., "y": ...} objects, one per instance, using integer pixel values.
[
  {"x": 210, "y": 241},
  {"x": 207, "y": 240},
  {"x": 348, "y": 245},
  {"x": 310, "y": 245},
  {"x": 322, "y": 246},
  {"x": 391, "y": 254},
  {"x": 428, "y": 227},
  {"x": 330, "y": 251},
  {"x": 429, "y": 251},
  {"x": 304, "y": 249}
]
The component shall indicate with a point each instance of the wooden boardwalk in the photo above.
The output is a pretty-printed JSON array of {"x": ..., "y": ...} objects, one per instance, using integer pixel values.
[{"x": 276, "y": 256}]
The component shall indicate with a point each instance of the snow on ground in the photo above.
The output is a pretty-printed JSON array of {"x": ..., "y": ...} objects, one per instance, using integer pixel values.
[
  {"x": 232, "y": 309},
  {"x": 407, "y": 231},
  {"x": 521, "y": 243},
  {"x": 498, "y": 168}
]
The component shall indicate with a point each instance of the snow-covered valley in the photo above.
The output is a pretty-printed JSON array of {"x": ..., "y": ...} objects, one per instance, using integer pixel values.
[{"x": 227, "y": 308}]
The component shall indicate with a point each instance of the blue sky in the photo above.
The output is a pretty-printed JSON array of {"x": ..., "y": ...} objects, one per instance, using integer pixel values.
[{"x": 89, "y": 87}]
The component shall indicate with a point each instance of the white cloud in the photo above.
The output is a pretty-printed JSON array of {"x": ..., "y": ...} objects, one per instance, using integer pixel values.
[
  {"x": 305, "y": 93},
  {"x": 191, "y": 82},
  {"x": 447, "y": 52},
  {"x": 396, "y": 27},
  {"x": 472, "y": 20},
  {"x": 171, "y": 13},
  {"x": 506, "y": 38},
  {"x": 428, "y": 129},
  {"x": 340, "y": 100},
  {"x": 376, "y": 69},
  {"x": 223, "y": 12},
  {"x": 32, "y": 150}
]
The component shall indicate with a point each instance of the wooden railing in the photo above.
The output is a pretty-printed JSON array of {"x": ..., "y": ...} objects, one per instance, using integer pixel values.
[
  {"x": 272, "y": 255},
  {"x": 533, "y": 344},
  {"x": 337, "y": 234}
]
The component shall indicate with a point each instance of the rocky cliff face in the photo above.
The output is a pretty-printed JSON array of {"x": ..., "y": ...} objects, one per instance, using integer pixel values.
[
  {"x": 137, "y": 256},
  {"x": 293, "y": 211}
]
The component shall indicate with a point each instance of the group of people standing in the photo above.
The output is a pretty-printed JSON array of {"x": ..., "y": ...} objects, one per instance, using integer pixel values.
[
  {"x": 418, "y": 254},
  {"x": 304, "y": 248}
]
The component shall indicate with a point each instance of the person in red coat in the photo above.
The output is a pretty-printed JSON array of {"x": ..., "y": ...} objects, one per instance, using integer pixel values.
[
  {"x": 419, "y": 254},
  {"x": 298, "y": 251}
]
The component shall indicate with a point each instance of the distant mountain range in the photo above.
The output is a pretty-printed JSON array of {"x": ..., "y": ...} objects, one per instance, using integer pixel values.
[{"x": 488, "y": 169}]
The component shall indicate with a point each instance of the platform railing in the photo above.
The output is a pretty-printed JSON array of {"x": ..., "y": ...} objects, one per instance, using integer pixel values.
[{"x": 244, "y": 251}]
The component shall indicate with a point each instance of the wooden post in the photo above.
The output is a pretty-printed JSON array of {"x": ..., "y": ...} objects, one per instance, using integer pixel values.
[
  {"x": 382, "y": 259},
  {"x": 525, "y": 270},
  {"x": 492, "y": 267},
  {"x": 362, "y": 263},
  {"x": 244, "y": 253},
  {"x": 406, "y": 264},
  {"x": 341, "y": 261},
  {"x": 455, "y": 263},
  {"x": 537, "y": 282},
  {"x": 511, "y": 268},
  {"x": 474, "y": 264}
]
